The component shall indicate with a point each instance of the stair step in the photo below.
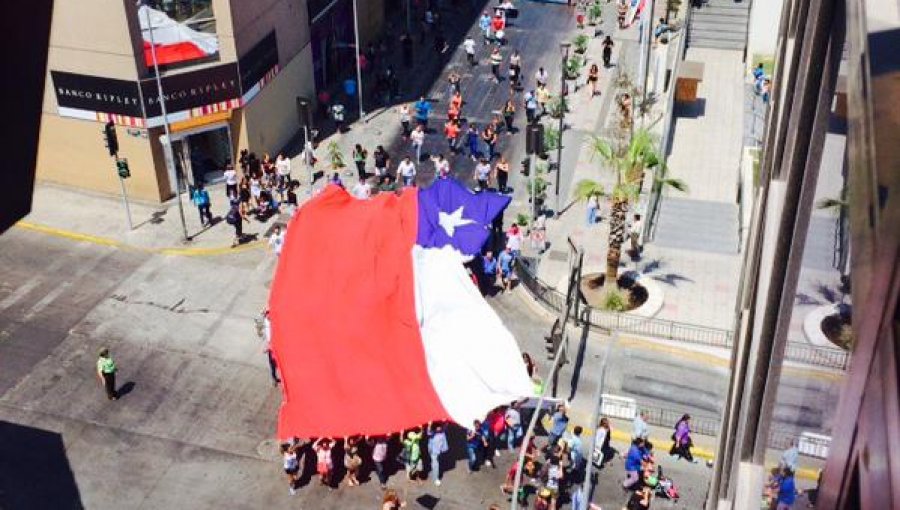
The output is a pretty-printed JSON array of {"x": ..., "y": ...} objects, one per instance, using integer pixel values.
[
  {"x": 715, "y": 43},
  {"x": 718, "y": 34},
  {"x": 720, "y": 11},
  {"x": 718, "y": 26},
  {"x": 715, "y": 18},
  {"x": 727, "y": 4}
]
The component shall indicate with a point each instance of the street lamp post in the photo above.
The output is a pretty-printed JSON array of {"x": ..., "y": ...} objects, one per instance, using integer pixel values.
[
  {"x": 167, "y": 145},
  {"x": 564, "y": 48},
  {"x": 359, "y": 87}
]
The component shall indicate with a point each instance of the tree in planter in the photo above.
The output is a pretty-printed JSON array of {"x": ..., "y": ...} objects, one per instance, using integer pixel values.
[
  {"x": 580, "y": 43},
  {"x": 551, "y": 139},
  {"x": 594, "y": 13},
  {"x": 628, "y": 167},
  {"x": 537, "y": 188},
  {"x": 573, "y": 66},
  {"x": 336, "y": 157},
  {"x": 557, "y": 106}
]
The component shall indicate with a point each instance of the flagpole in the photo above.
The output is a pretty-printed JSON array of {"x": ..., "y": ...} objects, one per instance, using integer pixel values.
[{"x": 167, "y": 146}]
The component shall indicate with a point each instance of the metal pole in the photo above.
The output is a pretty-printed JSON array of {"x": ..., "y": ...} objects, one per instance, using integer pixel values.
[
  {"x": 167, "y": 146},
  {"x": 649, "y": 46},
  {"x": 359, "y": 86},
  {"x": 562, "y": 125},
  {"x": 125, "y": 201},
  {"x": 409, "y": 18}
]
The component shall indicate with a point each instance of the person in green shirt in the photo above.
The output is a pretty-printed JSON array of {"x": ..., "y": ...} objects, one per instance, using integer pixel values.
[
  {"x": 412, "y": 453},
  {"x": 106, "y": 372}
]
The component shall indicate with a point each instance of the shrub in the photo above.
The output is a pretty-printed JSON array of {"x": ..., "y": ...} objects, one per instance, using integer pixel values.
[
  {"x": 614, "y": 300},
  {"x": 580, "y": 43}
]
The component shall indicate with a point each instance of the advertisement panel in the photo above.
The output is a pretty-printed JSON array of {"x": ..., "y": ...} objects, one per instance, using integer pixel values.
[{"x": 180, "y": 31}]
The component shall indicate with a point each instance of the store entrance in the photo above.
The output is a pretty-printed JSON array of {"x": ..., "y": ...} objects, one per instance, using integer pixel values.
[{"x": 201, "y": 155}]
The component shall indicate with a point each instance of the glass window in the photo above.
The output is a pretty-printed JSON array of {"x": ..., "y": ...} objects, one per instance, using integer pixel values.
[{"x": 180, "y": 31}]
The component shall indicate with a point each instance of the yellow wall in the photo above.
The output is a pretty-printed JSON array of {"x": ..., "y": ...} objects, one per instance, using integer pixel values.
[
  {"x": 72, "y": 153},
  {"x": 270, "y": 120}
]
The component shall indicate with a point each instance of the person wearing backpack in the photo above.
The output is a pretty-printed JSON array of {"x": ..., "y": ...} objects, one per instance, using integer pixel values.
[{"x": 235, "y": 219}]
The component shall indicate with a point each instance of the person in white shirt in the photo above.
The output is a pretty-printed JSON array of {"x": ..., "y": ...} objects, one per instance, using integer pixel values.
[
  {"x": 640, "y": 428},
  {"x": 418, "y": 139},
  {"x": 541, "y": 77},
  {"x": 283, "y": 168},
  {"x": 482, "y": 174},
  {"x": 362, "y": 190},
  {"x": 469, "y": 45},
  {"x": 231, "y": 182},
  {"x": 405, "y": 118},
  {"x": 276, "y": 240},
  {"x": 636, "y": 227},
  {"x": 441, "y": 166},
  {"x": 407, "y": 171}
]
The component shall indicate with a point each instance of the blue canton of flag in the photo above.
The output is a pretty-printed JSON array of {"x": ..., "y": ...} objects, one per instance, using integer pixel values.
[{"x": 451, "y": 214}]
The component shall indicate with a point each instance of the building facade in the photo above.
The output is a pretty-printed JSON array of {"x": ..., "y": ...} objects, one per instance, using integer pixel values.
[{"x": 230, "y": 73}]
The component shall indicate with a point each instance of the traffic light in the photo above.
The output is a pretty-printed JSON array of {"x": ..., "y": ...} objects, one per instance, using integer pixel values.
[
  {"x": 122, "y": 168},
  {"x": 109, "y": 135}
]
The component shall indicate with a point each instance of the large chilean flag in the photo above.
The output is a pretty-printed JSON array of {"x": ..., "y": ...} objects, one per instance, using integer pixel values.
[{"x": 374, "y": 333}]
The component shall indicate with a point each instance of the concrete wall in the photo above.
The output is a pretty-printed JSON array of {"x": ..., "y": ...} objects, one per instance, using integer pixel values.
[
  {"x": 253, "y": 20},
  {"x": 72, "y": 153},
  {"x": 270, "y": 120},
  {"x": 371, "y": 19},
  {"x": 765, "y": 17}
]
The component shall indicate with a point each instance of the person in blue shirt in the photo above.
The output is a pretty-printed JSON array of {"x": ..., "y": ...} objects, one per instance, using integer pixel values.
[
  {"x": 484, "y": 23},
  {"x": 505, "y": 260},
  {"x": 787, "y": 491},
  {"x": 633, "y": 463},
  {"x": 487, "y": 443},
  {"x": 437, "y": 445},
  {"x": 560, "y": 421},
  {"x": 488, "y": 272},
  {"x": 473, "y": 445},
  {"x": 575, "y": 447},
  {"x": 472, "y": 141},
  {"x": 200, "y": 197},
  {"x": 423, "y": 109}
]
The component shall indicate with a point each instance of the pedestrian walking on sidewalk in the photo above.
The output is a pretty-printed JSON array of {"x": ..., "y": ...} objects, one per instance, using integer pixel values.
[
  {"x": 437, "y": 446},
  {"x": 509, "y": 113},
  {"x": 469, "y": 46},
  {"x": 359, "y": 159},
  {"x": 496, "y": 60},
  {"x": 531, "y": 105},
  {"x": 441, "y": 166},
  {"x": 592, "y": 207},
  {"x": 787, "y": 490},
  {"x": 639, "y": 428},
  {"x": 453, "y": 84},
  {"x": 559, "y": 423},
  {"x": 501, "y": 174},
  {"x": 635, "y": 235},
  {"x": 382, "y": 161},
  {"x": 515, "y": 66},
  {"x": 417, "y": 138},
  {"x": 236, "y": 219},
  {"x": 352, "y": 460},
  {"x": 412, "y": 454},
  {"x": 106, "y": 372},
  {"x": 681, "y": 440},
  {"x": 541, "y": 77},
  {"x": 406, "y": 170},
  {"x": 633, "y": 460},
  {"x": 490, "y": 139},
  {"x": 200, "y": 197},
  {"x": 505, "y": 261},
  {"x": 484, "y": 23},
  {"x": 423, "y": 109},
  {"x": 603, "y": 452},
  {"x": 482, "y": 174},
  {"x": 451, "y": 133},
  {"x": 405, "y": 118},
  {"x": 593, "y": 78},
  {"x": 231, "y": 182},
  {"x": 472, "y": 141},
  {"x": 543, "y": 97},
  {"x": 267, "y": 338},
  {"x": 607, "y": 51}
]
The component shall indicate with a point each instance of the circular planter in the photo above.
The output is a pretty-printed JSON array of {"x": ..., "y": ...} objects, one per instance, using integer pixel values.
[
  {"x": 828, "y": 314},
  {"x": 644, "y": 295}
]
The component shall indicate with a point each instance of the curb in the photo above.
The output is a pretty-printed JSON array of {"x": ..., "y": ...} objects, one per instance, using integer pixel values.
[{"x": 113, "y": 243}]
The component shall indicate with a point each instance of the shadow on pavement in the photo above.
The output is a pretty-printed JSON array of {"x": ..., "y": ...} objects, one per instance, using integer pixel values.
[{"x": 34, "y": 469}]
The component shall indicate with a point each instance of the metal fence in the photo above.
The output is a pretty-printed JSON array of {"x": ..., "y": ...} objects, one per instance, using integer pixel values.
[{"x": 665, "y": 329}]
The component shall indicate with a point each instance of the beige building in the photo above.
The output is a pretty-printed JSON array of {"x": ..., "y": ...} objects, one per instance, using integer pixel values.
[{"x": 231, "y": 71}]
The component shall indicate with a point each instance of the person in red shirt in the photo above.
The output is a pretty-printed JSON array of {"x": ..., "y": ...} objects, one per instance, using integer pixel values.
[
  {"x": 498, "y": 24},
  {"x": 451, "y": 131}
]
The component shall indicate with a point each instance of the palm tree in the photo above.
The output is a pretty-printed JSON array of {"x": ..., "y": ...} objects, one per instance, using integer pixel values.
[{"x": 628, "y": 167}]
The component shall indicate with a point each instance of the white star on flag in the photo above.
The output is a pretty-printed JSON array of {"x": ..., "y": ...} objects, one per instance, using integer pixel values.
[{"x": 449, "y": 222}]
